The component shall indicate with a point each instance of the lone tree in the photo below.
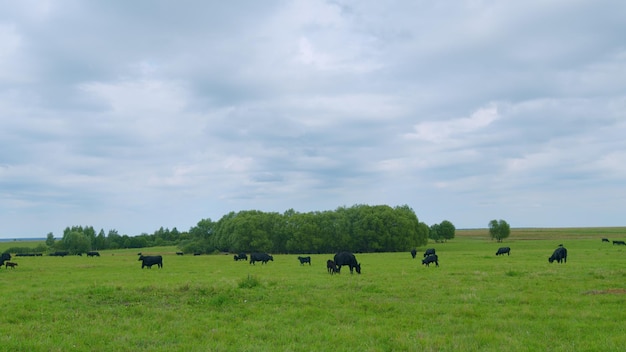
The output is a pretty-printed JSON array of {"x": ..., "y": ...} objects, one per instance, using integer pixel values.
[
  {"x": 446, "y": 230},
  {"x": 499, "y": 229}
]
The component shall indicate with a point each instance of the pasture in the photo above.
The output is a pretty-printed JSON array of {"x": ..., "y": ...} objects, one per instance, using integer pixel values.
[{"x": 474, "y": 301}]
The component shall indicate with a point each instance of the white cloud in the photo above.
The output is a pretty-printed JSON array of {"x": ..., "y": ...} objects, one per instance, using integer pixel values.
[{"x": 442, "y": 131}]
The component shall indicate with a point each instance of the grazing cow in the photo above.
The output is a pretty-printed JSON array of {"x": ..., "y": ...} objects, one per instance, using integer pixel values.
[
  {"x": 240, "y": 256},
  {"x": 560, "y": 255},
  {"x": 260, "y": 257},
  {"x": 93, "y": 254},
  {"x": 619, "y": 243},
  {"x": 10, "y": 264},
  {"x": 197, "y": 253},
  {"x": 429, "y": 251},
  {"x": 503, "y": 251},
  {"x": 347, "y": 258},
  {"x": 59, "y": 254},
  {"x": 605, "y": 240},
  {"x": 331, "y": 267},
  {"x": 413, "y": 253},
  {"x": 180, "y": 253},
  {"x": 4, "y": 257},
  {"x": 304, "y": 260},
  {"x": 433, "y": 258},
  {"x": 150, "y": 260}
]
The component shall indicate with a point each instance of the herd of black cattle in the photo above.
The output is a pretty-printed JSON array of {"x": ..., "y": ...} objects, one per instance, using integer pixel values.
[{"x": 332, "y": 265}]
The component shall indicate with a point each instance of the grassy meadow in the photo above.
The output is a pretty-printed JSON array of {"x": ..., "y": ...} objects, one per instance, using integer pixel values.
[{"x": 474, "y": 301}]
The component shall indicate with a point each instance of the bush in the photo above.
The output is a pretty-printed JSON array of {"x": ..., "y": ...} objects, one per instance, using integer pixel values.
[{"x": 249, "y": 282}]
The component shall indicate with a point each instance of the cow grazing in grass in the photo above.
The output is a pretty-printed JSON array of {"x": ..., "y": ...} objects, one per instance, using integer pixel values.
[
  {"x": 260, "y": 257},
  {"x": 240, "y": 256},
  {"x": 433, "y": 258},
  {"x": 331, "y": 267},
  {"x": 10, "y": 264},
  {"x": 619, "y": 243},
  {"x": 4, "y": 257},
  {"x": 180, "y": 253},
  {"x": 413, "y": 253},
  {"x": 503, "y": 251},
  {"x": 429, "y": 251},
  {"x": 304, "y": 260},
  {"x": 605, "y": 240},
  {"x": 150, "y": 260},
  {"x": 93, "y": 254},
  {"x": 559, "y": 255},
  {"x": 59, "y": 254},
  {"x": 347, "y": 258}
]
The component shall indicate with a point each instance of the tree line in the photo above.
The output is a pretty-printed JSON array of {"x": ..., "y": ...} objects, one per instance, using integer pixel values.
[{"x": 359, "y": 228}]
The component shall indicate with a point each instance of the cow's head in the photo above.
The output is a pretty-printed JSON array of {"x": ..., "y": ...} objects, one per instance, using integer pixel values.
[
  {"x": 140, "y": 258},
  {"x": 358, "y": 268}
]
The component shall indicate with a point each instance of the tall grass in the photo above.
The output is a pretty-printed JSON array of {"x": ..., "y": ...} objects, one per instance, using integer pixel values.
[{"x": 474, "y": 301}]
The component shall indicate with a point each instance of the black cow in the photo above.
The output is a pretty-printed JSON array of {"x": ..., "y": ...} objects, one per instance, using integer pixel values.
[
  {"x": 180, "y": 253},
  {"x": 429, "y": 251},
  {"x": 93, "y": 254},
  {"x": 619, "y": 243},
  {"x": 150, "y": 260},
  {"x": 433, "y": 258},
  {"x": 59, "y": 254},
  {"x": 413, "y": 253},
  {"x": 331, "y": 267},
  {"x": 347, "y": 258},
  {"x": 560, "y": 255},
  {"x": 240, "y": 256},
  {"x": 605, "y": 240},
  {"x": 4, "y": 257},
  {"x": 10, "y": 264},
  {"x": 503, "y": 251},
  {"x": 260, "y": 257},
  {"x": 304, "y": 260}
]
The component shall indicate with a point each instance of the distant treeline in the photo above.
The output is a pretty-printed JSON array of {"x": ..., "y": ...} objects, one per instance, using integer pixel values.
[{"x": 359, "y": 228}]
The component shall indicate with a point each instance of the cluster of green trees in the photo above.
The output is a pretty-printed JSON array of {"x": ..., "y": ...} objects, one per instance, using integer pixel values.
[
  {"x": 79, "y": 239},
  {"x": 442, "y": 232},
  {"x": 359, "y": 228}
]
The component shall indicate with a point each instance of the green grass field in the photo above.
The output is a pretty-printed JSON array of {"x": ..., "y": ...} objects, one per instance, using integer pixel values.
[{"x": 474, "y": 301}]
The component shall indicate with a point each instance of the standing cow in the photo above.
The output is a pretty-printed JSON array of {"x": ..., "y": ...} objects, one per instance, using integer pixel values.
[
  {"x": 4, "y": 257},
  {"x": 503, "y": 251},
  {"x": 304, "y": 260},
  {"x": 347, "y": 258},
  {"x": 413, "y": 253},
  {"x": 560, "y": 255},
  {"x": 260, "y": 257},
  {"x": 331, "y": 267},
  {"x": 150, "y": 260},
  {"x": 429, "y": 251}
]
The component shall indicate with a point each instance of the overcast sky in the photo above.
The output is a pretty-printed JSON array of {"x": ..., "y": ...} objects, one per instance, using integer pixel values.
[{"x": 132, "y": 115}]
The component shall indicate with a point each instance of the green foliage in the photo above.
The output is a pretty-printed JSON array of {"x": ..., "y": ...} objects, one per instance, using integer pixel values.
[
  {"x": 499, "y": 229},
  {"x": 50, "y": 240},
  {"x": 442, "y": 232},
  {"x": 249, "y": 282},
  {"x": 360, "y": 228}
]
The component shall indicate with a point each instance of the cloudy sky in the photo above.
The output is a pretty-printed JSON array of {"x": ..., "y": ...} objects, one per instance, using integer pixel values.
[{"x": 132, "y": 115}]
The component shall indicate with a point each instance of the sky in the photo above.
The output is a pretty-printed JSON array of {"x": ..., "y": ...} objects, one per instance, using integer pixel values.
[{"x": 136, "y": 115}]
